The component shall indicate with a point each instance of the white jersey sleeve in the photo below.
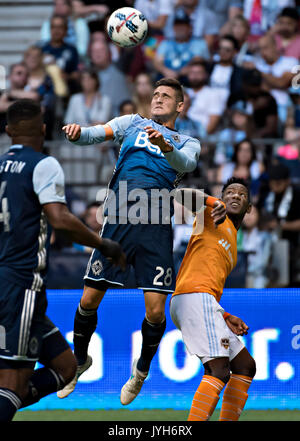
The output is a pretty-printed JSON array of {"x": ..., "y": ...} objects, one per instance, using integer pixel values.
[{"x": 49, "y": 181}]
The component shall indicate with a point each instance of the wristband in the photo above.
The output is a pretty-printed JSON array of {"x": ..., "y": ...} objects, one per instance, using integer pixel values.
[{"x": 225, "y": 315}]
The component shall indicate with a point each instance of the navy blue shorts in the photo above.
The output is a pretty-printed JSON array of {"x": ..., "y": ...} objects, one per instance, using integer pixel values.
[
  {"x": 26, "y": 333},
  {"x": 149, "y": 252}
]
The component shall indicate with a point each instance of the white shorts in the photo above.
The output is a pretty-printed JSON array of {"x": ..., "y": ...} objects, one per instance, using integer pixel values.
[{"x": 204, "y": 331}]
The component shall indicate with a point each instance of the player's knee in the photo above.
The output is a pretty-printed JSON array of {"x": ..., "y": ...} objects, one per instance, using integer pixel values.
[
  {"x": 155, "y": 314},
  {"x": 244, "y": 364},
  {"x": 249, "y": 369},
  {"x": 218, "y": 368}
]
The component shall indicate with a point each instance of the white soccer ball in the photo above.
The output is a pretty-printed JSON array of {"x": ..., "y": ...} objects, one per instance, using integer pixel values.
[{"x": 127, "y": 27}]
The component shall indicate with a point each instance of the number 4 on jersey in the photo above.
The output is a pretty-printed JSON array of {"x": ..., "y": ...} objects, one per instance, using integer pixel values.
[{"x": 4, "y": 213}]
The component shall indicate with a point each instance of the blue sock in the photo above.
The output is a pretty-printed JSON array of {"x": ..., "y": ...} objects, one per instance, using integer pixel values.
[
  {"x": 152, "y": 334},
  {"x": 43, "y": 382},
  {"x": 9, "y": 404}
]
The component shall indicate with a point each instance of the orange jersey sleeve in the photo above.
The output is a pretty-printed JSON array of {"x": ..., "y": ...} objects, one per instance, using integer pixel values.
[{"x": 210, "y": 256}]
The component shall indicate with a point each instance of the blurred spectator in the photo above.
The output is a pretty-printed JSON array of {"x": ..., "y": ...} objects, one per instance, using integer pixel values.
[
  {"x": 113, "y": 81},
  {"x": 182, "y": 230},
  {"x": 207, "y": 17},
  {"x": 257, "y": 241},
  {"x": 238, "y": 128},
  {"x": 204, "y": 107},
  {"x": 172, "y": 56},
  {"x": 78, "y": 33},
  {"x": 62, "y": 54},
  {"x": 89, "y": 107},
  {"x": 156, "y": 13},
  {"x": 283, "y": 201},
  {"x": 286, "y": 33},
  {"x": 293, "y": 114},
  {"x": 244, "y": 164},
  {"x": 276, "y": 71},
  {"x": 289, "y": 153},
  {"x": 142, "y": 94},
  {"x": 127, "y": 107},
  {"x": 17, "y": 80},
  {"x": 39, "y": 81},
  {"x": 84, "y": 8},
  {"x": 239, "y": 28},
  {"x": 185, "y": 125},
  {"x": 225, "y": 76},
  {"x": 262, "y": 14}
]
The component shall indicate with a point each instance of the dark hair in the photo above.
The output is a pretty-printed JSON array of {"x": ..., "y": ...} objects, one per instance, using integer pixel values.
[
  {"x": 278, "y": 172},
  {"x": 64, "y": 19},
  {"x": 13, "y": 66},
  {"x": 125, "y": 103},
  {"x": 233, "y": 40},
  {"x": 23, "y": 110},
  {"x": 234, "y": 180},
  {"x": 237, "y": 146},
  {"x": 93, "y": 74},
  {"x": 174, "y": 84},
  {"x": 200, "y": 63},
  {"x": 289, "y": 12}
]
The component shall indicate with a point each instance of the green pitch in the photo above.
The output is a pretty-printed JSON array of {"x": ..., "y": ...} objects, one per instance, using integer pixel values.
[{"x": 147, "y": 415}]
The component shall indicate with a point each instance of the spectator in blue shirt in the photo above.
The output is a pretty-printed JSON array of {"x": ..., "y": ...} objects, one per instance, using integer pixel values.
[
  {"x": 62, "y": 54},
  {"x": 173, "y": 56}
]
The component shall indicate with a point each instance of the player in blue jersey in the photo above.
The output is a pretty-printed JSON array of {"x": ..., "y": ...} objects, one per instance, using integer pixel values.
[
  {"x": 137, "y": 213},
  {"x": 32, "y": 196}
]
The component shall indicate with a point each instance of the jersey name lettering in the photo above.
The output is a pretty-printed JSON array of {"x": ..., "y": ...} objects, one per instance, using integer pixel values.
[{"x": 12, "y": 166}]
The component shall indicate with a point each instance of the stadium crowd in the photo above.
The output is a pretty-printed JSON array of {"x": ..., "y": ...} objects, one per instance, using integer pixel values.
[{"x": 238, "y": 61}]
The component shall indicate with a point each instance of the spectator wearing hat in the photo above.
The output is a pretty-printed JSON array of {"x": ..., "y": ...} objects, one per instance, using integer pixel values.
[
  {"x": 283, "y": 202},
  {"x": 173, "y": 56},
  {"x": 286, "y": 33}
]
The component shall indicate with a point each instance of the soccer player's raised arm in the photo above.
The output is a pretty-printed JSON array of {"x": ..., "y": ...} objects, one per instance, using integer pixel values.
[
  {"x": 114, "y": 129},
  {"x": 194, "y": 199}
]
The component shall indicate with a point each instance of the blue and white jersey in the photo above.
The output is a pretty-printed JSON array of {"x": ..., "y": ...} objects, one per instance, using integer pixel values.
[
  {"x": 28, "y": 179},
  {"x": 142, "y": 167}
]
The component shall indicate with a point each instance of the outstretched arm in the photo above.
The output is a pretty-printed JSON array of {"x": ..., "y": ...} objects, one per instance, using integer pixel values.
[{"x": 194, "y": 200}]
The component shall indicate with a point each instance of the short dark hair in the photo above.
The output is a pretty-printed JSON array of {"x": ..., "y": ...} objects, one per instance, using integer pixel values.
[
  {"x": 174, "y": 84},
  {"x": 200, "y": 63},
  {"x": 23, "y": 110},
  {"x": 233, "y": 40},
  {"x": 63, "y": 18},
  {"x": 277, "y": 172},
  {"x": 289, "y": 12},
  {"x": 235, "y": 180}
]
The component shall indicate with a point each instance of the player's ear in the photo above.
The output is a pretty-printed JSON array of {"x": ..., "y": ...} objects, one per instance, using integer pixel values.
[
  {"x": 180, "y": 106},
  {"x": 249, "y": 208},
  {"x": 8, "y": 131}
]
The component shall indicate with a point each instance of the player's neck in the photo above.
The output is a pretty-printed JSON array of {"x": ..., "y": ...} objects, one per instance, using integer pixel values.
[
  {"x": 170, "y": 124},
  {"x": 236, "y": 220},
  {"x": 36, "y": 144}
]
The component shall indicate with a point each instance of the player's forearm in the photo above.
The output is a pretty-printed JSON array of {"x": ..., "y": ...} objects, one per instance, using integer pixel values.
[
  {"x": 184, "y": 160},
  {"x": 91, "y": 135},
  {"x": 191, "y": 198}
]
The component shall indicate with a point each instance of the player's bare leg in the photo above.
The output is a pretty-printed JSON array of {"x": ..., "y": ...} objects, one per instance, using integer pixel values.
[
  {"x": 85, "y": 323},
  {"x": 153, "y": 328},
  {"x": 13, "y": 389}
]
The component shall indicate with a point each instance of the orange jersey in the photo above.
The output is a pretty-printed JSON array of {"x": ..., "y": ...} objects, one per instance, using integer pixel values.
[{"x": 210, "y": 257}]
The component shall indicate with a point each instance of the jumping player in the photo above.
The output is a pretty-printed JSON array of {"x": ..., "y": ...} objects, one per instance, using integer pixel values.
[
  {"x": 153, "y": 156},
  {"x": 207, "y": 330},
  {"x": 31, "y": 195}
]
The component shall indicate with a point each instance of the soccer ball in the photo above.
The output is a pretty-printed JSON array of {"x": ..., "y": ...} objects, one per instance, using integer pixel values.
[{"x": 127, "y": 27}]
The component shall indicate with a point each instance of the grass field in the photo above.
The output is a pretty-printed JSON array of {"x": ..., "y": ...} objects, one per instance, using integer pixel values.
[{"x": 147, "y": 415}]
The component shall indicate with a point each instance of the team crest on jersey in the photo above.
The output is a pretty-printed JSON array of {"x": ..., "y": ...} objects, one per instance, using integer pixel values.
[
  {"x": 225, "y": 342},
  {"x": 33, "y": 346},
  {"x": 97, "y": 267},
  {"x": 176, "y": 138}
]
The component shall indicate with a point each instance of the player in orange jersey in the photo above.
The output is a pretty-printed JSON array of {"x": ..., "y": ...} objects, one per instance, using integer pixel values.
[{"x": 208, "y": 331}]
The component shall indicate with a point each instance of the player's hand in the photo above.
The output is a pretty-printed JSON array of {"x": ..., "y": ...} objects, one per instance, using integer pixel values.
[
  {"x": 73, "y": 131},
  {"x": 113, "y": 252},
  {"x": 236, "y": 325},
  {"x": 218, "y": 213},
  {"x": 156, "y": 138}
]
